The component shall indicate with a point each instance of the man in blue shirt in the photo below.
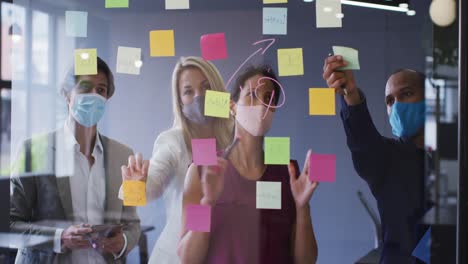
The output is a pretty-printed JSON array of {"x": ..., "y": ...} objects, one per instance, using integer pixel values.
[{"x": 394, "y": 169}]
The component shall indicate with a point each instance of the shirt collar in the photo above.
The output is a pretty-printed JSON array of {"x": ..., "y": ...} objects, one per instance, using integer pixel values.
[{"x": 71, "y": 143}]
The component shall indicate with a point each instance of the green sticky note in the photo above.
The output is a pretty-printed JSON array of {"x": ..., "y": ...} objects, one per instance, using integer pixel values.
[
  {"x": 116, "y": 3},
  {"x": 85, "y": 62},
  {"x": 277, "y": 150},
  {"x": 217, "y": 104},
  {"x": 350, "y": 55}
]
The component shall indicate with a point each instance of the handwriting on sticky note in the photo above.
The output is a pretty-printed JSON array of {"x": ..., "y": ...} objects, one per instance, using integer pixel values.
[
  {"x": 177, "y": 4},
  {"x": 128, "y": 60},
  {"x": 322, "y": 101},
  {"x": 85, "y": 62},
  {"x": 322, "y": 168},
  {"x": 134, "y": 193},
  {"x": 204, "y": 151},
  {"x": 198, "y": 218},
  {"x": 277, "y": 150},
  {"x": 162, "y": 43},
  {"x": 328, "y": 13},
  {"x": 275, "y": 21},
  {"x": 213, "y": 46},
  {"x": 290, "y": 62},
  {"x": 217, "y": 104},
  {"x": 76, "y": 23},
  {"x": 350, "y": 55},
  {"x": 116, "y": 3},
  {"x": 268, "y": 195}
]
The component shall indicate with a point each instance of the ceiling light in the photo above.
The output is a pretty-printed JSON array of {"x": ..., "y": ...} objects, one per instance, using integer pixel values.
[{"x": 378, "y": 6}]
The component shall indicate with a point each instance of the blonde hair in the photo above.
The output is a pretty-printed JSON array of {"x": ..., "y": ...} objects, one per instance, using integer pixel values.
[{"x": 222, "y": 127}]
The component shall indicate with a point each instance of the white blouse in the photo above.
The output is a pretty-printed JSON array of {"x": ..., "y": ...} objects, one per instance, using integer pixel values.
[{"x": 166, "y": 174}]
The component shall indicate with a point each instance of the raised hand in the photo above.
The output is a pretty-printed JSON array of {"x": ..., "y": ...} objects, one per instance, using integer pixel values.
[
  {"x": 212, "y": 182},
  {"x": 341, "y": 79},
  {"x": 136, "y": 170},
  {"x": 302, "y": 188}
]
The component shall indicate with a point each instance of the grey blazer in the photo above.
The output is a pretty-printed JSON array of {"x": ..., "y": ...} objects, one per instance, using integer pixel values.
[{"x": 40, "y": 201}]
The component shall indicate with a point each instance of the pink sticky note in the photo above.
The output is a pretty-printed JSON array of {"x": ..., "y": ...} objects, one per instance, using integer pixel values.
[
  {"x": 204, "y": 151},
  {"x": 213, "y": 46},
  {"x": 198, "y": 218},
  {"x": 322, "y": 168}
]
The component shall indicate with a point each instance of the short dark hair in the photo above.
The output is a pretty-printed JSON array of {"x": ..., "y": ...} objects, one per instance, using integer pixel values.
[
  {"x": 71, "y": 79},
  {"x": 419, "y": 75},
  {"x": 264, "y": 70}
]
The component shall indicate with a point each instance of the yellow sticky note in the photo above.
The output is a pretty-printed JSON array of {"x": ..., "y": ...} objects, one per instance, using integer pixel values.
[
  {"x": 322, "y": 101},
  {"x": 290, "y": 62},
  {"x": 134, "y": 193},
  {"x": 162, "y": 43},
  {"x": 217, "y": 104},
  {"x": 275, "y": 1},
  {"x": 85, "y": 62}
]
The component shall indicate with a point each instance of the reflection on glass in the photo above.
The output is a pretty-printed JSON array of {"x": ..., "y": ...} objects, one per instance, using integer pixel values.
[{"x": 13, "y": 23}]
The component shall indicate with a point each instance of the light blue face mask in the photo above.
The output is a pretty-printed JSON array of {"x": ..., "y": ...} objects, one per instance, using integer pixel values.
[
  {"x": 88, "y": 108},
  {"x": 407, "y": 119}
]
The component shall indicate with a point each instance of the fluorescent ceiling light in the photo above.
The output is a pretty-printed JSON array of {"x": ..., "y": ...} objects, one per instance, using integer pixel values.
[
  {"x": 384, "y": 7},
  {"x": 411, "y": 13},
  {"x": 403, "y": 5}
]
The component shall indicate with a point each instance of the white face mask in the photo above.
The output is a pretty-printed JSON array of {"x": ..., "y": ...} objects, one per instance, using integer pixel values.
[{"x": 253, "y": 119}]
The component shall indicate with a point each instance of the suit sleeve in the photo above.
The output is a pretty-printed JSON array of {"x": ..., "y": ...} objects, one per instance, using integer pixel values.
[
  {"x": 23, "y": 192},
  {"x": 367, "y": 146}
]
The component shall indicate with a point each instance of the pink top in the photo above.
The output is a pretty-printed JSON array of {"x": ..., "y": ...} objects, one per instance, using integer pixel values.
[{"x": 242, "y": 234}]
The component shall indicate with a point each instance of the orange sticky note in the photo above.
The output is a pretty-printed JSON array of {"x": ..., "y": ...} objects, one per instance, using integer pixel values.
[
  {"x": 322, "y": 101},
  {"x": 162, "y": 43},
  {"x": 134, "y": 193}
]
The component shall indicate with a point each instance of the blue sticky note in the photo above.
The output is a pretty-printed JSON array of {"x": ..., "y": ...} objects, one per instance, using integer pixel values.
[
  {"x": 275, "y": 20},
  {"x": 76, "y": 23},
  {"x": 423, "y": 249}
]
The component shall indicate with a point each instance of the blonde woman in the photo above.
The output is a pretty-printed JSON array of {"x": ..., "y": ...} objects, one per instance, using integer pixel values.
[{"x": 172, "y": 153}]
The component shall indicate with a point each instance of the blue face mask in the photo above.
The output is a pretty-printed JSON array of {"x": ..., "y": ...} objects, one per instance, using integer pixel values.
[
  {"x": 88, "y": 108},
  {"x": 407, "y": 119}
]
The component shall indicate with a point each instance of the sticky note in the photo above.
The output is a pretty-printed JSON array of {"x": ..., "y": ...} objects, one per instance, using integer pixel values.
[
  {"x": 423, "y": 248},
  {"x": 268, "y": 195},
  {"x": 217, "y": 104},
  {"x": 290, "y": 62},
  {"x": 128, "y": 60},
  {"x": 275, "y": 21},
  {"x": 134, "y": 193},
  {"x": 322, "y": 168},
  {"x": 85, "y": 62},
  {"x": 277, "y": 150},
  {"x": 76, "y": 23},
  {"x": 162, "y": 43},
  {"x": 275, "y": 1},
  {"x": 177, "y": 4},
  {"x": 204, "y": 151},
  {"x": 350, "y": 55},
  {"x": 116, "y": 3},
  {"x": 322, "y": 101},
  {"x": 213, "y": 46},
  {"x": 328, "y": 13},
  {"x": 198, "y": 218}
]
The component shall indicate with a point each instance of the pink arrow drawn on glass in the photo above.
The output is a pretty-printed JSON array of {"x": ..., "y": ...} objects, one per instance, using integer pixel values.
[{"x": 271, "y": 42}]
